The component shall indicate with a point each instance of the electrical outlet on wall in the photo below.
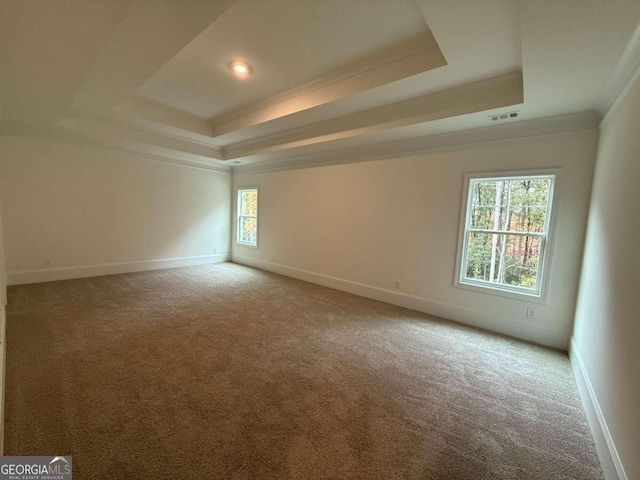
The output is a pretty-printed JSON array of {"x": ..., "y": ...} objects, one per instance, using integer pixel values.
[
  {"x": 396, "y": 284},
  {"x": 272, "y": 257},
  {"x": 215, "y": 250},
  {"x": 46, "y": 262},
  {"x": 531, "y": 313}
]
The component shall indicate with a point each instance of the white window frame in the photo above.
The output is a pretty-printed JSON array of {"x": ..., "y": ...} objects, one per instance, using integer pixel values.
[
  {"x": 546, "y": 248},
  {"x": 239, "y": 191}
]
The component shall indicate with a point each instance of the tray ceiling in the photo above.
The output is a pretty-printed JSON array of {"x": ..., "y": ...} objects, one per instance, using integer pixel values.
[
  {"x": 331, "y": 79},
  {"x": 288, "y": 44}
]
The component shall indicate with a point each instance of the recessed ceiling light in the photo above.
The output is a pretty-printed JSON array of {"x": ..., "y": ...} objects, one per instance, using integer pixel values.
[{"x": 240, "y": 68}]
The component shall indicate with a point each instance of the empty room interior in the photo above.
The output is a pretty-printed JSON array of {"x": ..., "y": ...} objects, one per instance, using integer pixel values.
[{"x": 354, "y": 239}]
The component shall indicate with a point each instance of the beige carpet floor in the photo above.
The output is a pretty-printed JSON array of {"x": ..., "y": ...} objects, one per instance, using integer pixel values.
[{"x": 224, "y": 371}]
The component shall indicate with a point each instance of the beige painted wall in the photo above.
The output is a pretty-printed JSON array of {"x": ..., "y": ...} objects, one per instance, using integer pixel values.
[
  {"x": 375, "y": 222},
  {"x": 82, "y": 206},
  {"x": 607, "y": 328}
]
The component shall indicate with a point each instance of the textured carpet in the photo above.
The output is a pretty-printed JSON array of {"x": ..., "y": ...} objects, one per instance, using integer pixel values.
[{"x": 224, "y": 371}]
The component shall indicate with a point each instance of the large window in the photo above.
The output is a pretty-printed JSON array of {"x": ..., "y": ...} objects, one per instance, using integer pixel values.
[
  {"x": 505, "y": 236},
  {"x": 248, "y": 216}
]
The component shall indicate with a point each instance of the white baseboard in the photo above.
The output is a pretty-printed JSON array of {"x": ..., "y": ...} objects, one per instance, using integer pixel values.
[
  {"x": 532, "y": 333},
  {"x": 66, "y": 273},
  {"x": 607, "y": 452}
]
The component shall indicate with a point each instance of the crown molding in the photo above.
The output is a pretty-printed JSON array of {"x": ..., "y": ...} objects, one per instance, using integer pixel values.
[
  {"x": 168, "y": 131},
  {"x": 392, "y": 64},
  {"x": 146, "y": 113},
  {"x": 562, "y": 124},
  {"x": 103, "y": 129},
  {"x": 151, "y": 153},
  {"x": 498, "y": 92},
  {"x": 583, "y": 121}
]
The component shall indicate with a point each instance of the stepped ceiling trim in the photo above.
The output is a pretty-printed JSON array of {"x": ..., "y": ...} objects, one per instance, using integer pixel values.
[{"x": 441, "y": 68}]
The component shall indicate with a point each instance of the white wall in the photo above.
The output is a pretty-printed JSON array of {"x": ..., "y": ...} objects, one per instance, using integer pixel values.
[
  {"x": 93, "y": 211},
  {"x": 366, "y": 224},
  {"x": 606, "y": 340}
]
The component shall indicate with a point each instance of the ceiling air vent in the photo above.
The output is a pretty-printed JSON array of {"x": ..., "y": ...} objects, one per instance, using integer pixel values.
[{"x": 503, "y": 116}]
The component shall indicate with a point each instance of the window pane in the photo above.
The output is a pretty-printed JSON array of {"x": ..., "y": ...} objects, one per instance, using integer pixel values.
[
  {"x": 486, "y": 208},
  {"x": 249, "y": 203},
  {"x": 511, "y": 205},
  {"x": 248, "y": 230},
  {"x": 483, "y": 218},
  {"x": 503, "y": 259},
  {"x": 527, "y": 219}
]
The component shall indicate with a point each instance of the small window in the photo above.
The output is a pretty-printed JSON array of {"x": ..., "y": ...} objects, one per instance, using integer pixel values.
[
  {"x": 248, "y": 216},
  {"x": 505, "y": 235}
]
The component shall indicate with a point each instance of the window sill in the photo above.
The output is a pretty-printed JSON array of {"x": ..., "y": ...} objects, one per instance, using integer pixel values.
[
  {"x": 247, "y": 245},
  {"x": 522, "y": 296}
]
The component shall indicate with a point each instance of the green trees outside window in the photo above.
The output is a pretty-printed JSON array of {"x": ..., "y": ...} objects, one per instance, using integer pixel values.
[
  {"x": 248, "y": 216},
  {"x": 506, "y": 229}
]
